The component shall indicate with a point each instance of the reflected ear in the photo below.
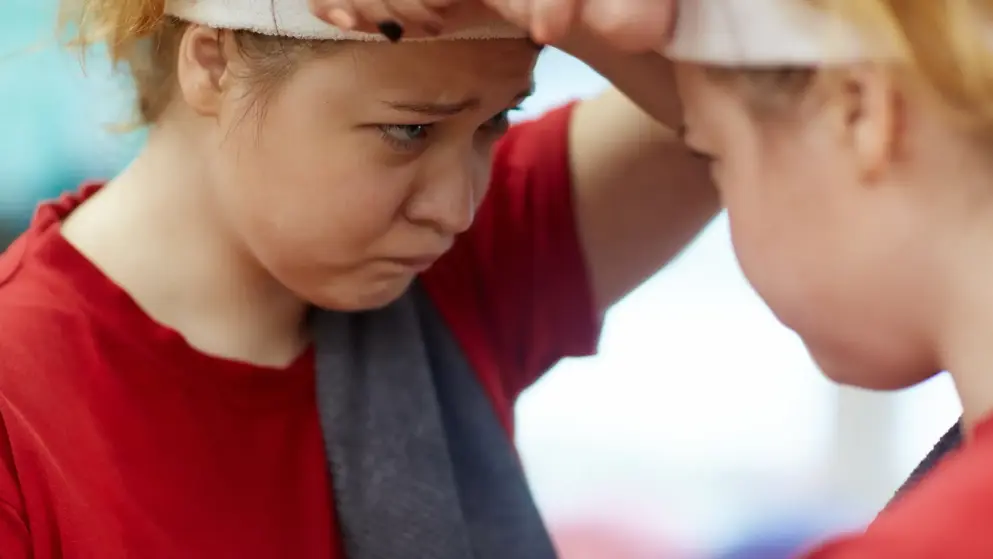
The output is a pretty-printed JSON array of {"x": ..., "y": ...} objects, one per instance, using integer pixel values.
[
  {"x": 202, "y": 69},
  {"x": 872, "y": 115}
]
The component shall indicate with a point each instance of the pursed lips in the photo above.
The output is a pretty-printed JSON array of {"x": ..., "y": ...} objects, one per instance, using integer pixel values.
[{"x": 417, "y": 263}]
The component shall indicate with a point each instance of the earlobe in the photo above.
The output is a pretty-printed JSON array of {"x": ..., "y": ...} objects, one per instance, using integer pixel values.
[
  {"x": 874, "y": 119},
  {"x": 202, "y": 69}
]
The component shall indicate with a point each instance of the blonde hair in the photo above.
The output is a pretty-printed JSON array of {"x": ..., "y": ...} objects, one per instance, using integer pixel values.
[
  {"x": 138, "y": 33},
  {"x": 947, "y": 45}
]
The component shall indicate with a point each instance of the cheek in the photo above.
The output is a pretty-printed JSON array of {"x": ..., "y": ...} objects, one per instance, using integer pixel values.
[
  {"x": 303, "y": 202},
  {"x": 779, "y": 230},
  {"x": 754, "y": 218}
]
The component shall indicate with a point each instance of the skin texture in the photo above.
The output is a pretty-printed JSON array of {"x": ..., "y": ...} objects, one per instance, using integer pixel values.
[{"x": 861, "y": 214}]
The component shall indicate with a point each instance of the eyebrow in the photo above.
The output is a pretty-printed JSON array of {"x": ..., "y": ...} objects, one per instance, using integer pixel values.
[{"x": 448, "y": 109}]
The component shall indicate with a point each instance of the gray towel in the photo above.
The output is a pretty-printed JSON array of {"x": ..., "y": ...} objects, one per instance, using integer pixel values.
[{"x": 421, "y": 466}]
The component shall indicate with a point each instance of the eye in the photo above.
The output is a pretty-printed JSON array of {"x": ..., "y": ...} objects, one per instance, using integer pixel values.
[
  {"x": 705, "y": 157},
  {"x": 501, "y": 122},
  {"x": 682, "y": 132},
  {"x": 412, "y": 137},
  {"x": 404, "y": 137}
]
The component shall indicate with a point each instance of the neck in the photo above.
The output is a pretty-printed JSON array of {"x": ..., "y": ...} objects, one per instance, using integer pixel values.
[
  {"x": 966, "y": 348},
  {"x": 965, "y": 331},
  {"x": 950, "y": 185},
  {"x": 190, "y": 273}
]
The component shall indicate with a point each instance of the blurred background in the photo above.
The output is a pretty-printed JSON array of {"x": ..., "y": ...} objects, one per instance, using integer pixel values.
[{"x": 702, "y": 430}]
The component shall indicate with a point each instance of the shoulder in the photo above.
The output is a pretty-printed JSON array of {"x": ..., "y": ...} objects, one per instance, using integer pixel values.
[
  {"x": 44, "y": 316},
  {"x": 36, "y": 320},
  {"x": 957, "y": 492},
  {"x": 948, "y": 514}
]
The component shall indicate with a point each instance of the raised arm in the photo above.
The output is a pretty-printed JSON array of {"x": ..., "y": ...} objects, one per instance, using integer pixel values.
[{"x": 640, "y": 195}]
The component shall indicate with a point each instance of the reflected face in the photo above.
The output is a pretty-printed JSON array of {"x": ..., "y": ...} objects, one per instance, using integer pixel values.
[
  {"x": 365, "y": 164},
  {"x": 826, "y": 250}
]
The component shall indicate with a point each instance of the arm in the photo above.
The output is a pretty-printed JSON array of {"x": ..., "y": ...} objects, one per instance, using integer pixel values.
[
  {"x": 584, "y": 204},
  {"x": 640, "y": 195}
]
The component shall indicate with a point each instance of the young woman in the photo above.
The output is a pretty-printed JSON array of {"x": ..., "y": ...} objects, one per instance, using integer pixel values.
[
  {"x": 296, "y": 324},
  {"x": 850, "y": 142}
]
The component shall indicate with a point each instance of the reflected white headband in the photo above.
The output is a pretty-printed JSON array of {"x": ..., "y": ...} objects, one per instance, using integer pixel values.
[
  {"x": 292, "y": 18},
  {"x": 765, "y": 33}
]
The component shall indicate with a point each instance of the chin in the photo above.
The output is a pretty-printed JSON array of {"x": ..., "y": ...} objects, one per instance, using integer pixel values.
[
  {"x": 871, "y": 371},
  {"x": 358, "y": 298}
]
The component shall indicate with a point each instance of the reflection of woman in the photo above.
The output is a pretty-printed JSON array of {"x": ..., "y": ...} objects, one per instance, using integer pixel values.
[
  {"x": 850, "y": 144},
  {"x": 158, "y": 365}
]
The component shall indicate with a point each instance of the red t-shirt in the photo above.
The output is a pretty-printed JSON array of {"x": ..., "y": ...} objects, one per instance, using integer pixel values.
[
  {"x": 120, "y": 440},
  {"x": 948, "y": 515}
]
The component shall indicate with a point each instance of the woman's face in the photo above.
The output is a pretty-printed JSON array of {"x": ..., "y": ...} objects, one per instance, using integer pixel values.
[
  {"x": 363, "y": 166},
  {"x": 828, "y": 245}
]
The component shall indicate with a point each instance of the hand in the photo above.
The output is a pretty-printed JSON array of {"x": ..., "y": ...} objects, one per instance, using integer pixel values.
[
  {"x": 626, "y": 25},
  {"x": 401, "y": 18}
]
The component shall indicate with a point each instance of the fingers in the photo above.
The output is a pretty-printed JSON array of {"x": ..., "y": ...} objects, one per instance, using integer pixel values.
[
  {"x": 413, "y": 15},
  {"x": 517, "y": 12},
  {"x": 392, "y": 18},
  {"x": 629, "y": 25},
  {"x": 331, "y": 12},
  {"x": 551, "y": 20}
]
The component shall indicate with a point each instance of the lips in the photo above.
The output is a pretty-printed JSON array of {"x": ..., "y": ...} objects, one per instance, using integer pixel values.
[{"x": 417, "y": 263}]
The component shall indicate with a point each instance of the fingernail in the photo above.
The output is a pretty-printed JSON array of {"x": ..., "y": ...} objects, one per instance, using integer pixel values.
[
  {"x": 342, "y": 19},
  {"x": 539, "y": 33},
  {"x": 391, "y": 30}
]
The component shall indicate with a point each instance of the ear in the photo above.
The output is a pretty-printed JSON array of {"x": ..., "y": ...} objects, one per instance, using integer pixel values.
[
  {"x": 872, "y": 118},
  {"x": 203, "y": 69}
]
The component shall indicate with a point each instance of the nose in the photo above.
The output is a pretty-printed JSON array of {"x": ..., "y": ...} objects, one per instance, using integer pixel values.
[{"x": 449, "y": 192}]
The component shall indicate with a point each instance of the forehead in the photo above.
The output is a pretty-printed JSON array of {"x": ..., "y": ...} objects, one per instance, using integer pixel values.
[
  {"x": 480, "y": 60},
  {"x": 431, "y": 70}
]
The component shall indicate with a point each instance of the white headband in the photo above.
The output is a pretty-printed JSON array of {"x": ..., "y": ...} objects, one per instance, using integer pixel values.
[
  {"x": 764, "y": 33},
  {"x": 292, "y": 18}
]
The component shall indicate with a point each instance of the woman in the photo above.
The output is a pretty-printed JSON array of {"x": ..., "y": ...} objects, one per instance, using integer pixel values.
[
  {"x": 850, "y": 144},
  {"x": 296, "y": 324}
]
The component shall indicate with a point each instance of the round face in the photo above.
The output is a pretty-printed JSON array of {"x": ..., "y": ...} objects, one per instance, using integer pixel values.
[
  {"x": 360, "y": 170},
  {"x": 830, "y": 247}
]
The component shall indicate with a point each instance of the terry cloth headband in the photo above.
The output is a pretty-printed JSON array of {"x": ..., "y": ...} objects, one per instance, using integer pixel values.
[
  {"x": 292, "y": 18},
  {"x": 765, "y": 33}
]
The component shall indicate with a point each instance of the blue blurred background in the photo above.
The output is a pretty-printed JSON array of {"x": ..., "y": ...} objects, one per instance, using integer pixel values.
[{"x": 702, "y": 430}]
